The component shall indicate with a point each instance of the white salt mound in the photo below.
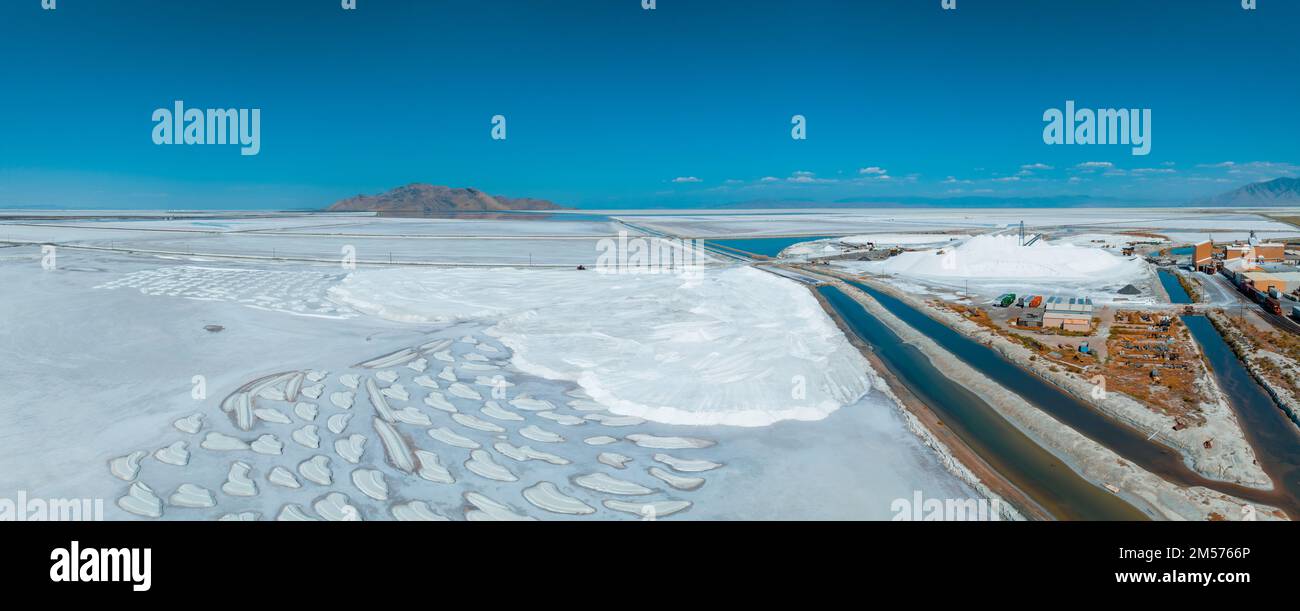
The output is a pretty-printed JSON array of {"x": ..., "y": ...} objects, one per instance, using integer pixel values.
[
  {"x": 997, "y": 257},
  {"x": 701, "y": 349}
]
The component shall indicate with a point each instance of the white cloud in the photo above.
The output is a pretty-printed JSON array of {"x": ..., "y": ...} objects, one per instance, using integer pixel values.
[
  {"x": 1094, "y": 165},
  {"x": 686, "y": 179},
  {"x": 873, "y": 171},
  {"x": 1029, "y": 167}
]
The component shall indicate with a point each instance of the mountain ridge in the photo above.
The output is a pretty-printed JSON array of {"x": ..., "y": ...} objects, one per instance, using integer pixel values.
[{"x": 423, "y": 199}]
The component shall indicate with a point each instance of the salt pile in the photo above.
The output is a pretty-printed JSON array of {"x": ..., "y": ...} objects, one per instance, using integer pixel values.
[
  {"x": 732, "y": 346},
  {"x": 997, "y": 257}
]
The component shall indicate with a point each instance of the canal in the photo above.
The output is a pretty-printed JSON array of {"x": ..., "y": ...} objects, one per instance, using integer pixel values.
[
  {"x": 1119, "y": 438},
  {"x": 1169, "y": 280},
  {"x": 1273, "y": 436},
  {"x": 1035, "y": 471}
]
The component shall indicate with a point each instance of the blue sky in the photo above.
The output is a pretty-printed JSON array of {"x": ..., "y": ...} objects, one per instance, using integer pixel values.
[{"x": 609, "y": 105}]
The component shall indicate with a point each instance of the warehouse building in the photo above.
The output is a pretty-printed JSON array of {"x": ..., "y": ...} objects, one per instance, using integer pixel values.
[{"x": 1068, "y": 313}]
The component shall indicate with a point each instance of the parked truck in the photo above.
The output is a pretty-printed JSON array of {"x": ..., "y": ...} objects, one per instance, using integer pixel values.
[{"x": 1006, "y": 300}]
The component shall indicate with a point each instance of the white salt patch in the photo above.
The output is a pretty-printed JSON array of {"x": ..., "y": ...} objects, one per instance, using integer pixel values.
[
  {"x": 532, "y": 405},
  {"x": 219, "y": 442},
  {"x": 351, "y": 380},
  {"x": 127, "y": 467},
  {"x": 445, "y": 356},
  {"x": 343, "y": 399},
  {"x": 294, "y": 513},
  {"x": 314, "y": 391},
  {"x": 537, "y": 433},
  {"x": 451, "y": 438},
  {"x": 305, "y": 411},
  {"x": 668, "y": 443},
  {"x": 316, "y": 376},
  {"x": 293, "y": 387},
  {"x": 351, "y": 448},
  {"x": 547, "y": 496},
  {"x": 609, "y": 420},
  {"x": 479, "y": 367},
  {"x": 307, "y": 436},
  {"x": 486, "y": 509},
  {"x": 601, "y": 482},
  {"x": 677, "y": 481},
  {"x": 481, "y": 463},
  {"x": 272, "y": 393},
  {"x": 478, "y": 358},
  {"x": 437, "y": 401},
  {"x": 586, "y": 406},
  {"x": 174, "y": 454},
  {"x": 268, "y": 444},
  {"x": 410, "y": 415},
  {"x": 564, "y": 419},
  {"x": 652, "y": 509},
  {"x": 476, "y": 423},
  {"x": 397, "y": 391},
  {"x": 387, "y": 377},
  {"x": 426, "y": 382},
  {"x": 140, "y": 500},
  {"x": 447, "y": 374},
  {"x": 189, "y": 424},
  {"x": 378, "y": 402},
  {"x": 418, "y": 365},
  {"x": 686, "y": 465},
  {"x": 338, "y": 423},
  {"x": 336, "y": 507},
  {"x": 371, "y": 483},
  {"x": 599, "y": 440},
  {"x": 395, "y": 448},
  {"x": 282, "y": 477},
  {"x": 317, "y": 469},
  {"x": 526, "y": 453},
  {"x": 492, "y": 410},
  {"x": 464, "y": 392},
  {"x": 237, "y": 481},
  {"x": 189, "y": 495},
  {"x": 271, "y": 415},
  {"x": 614, "y": 459},
  {"x": 243, "y": 516},
  {"x": 416, "y": 511},
  {"x": 431, "y": 469}
]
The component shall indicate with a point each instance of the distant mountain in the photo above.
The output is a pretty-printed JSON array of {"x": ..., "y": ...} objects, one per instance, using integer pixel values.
[
  {"x": 1060, "y": 201},
  {"x": 419, "y": 199},
  {"x": 1277, "y": 191}
]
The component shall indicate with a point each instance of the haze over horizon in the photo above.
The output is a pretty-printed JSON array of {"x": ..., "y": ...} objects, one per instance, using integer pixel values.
[{"x": 612, "y": 106}]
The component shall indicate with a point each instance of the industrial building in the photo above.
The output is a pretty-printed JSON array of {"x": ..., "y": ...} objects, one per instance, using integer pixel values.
[
  {"x": 1282, "y": 278},
  {"x": 1243, "y": 256},
  {"x": 1068, "y": 313}
]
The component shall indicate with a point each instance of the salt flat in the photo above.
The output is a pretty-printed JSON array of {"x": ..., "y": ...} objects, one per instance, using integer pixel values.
[{"x": 319, "y": 405}]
